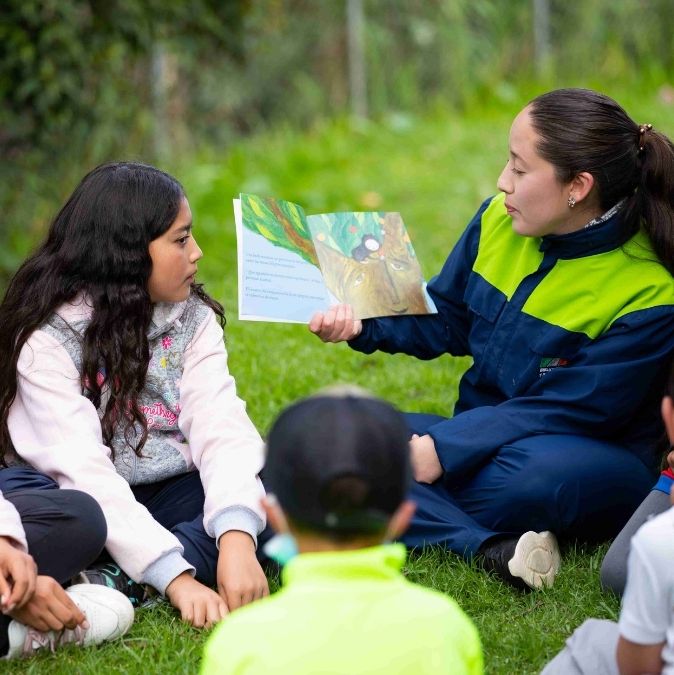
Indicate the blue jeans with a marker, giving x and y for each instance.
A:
(574, 486)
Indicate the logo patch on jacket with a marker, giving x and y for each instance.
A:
(546, 365)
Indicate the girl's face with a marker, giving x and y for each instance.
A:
(535, 199)
(174, 257)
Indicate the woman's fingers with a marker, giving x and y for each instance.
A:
(335, 325)
(316, 323)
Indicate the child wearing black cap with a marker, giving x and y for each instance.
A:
(337, 471)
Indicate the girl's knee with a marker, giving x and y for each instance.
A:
(83, 520)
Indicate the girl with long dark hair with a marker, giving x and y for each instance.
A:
(561, 290)
(114, 381)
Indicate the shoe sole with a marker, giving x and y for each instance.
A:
(536, 559)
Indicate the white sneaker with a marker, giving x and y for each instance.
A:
(536, 559)
(108, 612)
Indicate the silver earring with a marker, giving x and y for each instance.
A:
(571, 201)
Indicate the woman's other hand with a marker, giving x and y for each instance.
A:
(426, 466)
(336, 325)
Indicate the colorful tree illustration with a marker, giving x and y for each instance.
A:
(358, 234)
(281, 223)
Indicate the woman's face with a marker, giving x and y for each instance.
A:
(174, 257)
(535, 199)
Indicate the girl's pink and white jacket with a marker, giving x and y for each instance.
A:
(195, 422)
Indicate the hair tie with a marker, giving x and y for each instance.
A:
(643, 128)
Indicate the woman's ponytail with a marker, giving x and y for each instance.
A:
(655, 191)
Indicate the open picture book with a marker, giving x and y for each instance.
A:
(291, 265)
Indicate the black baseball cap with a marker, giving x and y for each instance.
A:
(339, 461)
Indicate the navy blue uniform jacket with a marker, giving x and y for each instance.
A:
(569, 334)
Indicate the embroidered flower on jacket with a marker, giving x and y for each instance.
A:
(166, 341)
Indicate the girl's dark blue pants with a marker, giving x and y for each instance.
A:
(65, 529)
(574, 486)
(176, 503)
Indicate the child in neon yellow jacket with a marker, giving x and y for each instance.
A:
(338, 468)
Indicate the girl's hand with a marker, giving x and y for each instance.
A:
(336, 325)
(425, 463)
(50, 608)
(197, 604)
(18, 574)
(240, 577)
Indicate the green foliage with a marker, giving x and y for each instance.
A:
(63, 61)
(77, 88)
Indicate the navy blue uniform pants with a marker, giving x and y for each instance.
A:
(176, 503)
(574, 486)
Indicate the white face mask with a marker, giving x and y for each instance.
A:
(281, 548)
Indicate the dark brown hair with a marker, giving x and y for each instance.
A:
(97, 245)
(582, 130)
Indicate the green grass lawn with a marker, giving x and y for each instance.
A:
(435, 170)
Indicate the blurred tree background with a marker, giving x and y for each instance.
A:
(83, 81)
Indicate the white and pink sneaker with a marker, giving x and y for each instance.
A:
(108, 612)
